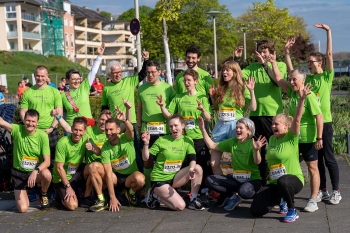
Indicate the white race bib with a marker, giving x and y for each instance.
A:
(155, 127)
(72, 168)
(120, 163)
(227, 114)
(172, 165)
(241, 175)
(276, 171)
(29, 162)
(189, 122)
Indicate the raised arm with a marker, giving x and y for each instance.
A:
(329, 51)
(142, 74)
(4, 124)
(295, 127)
(287, 48)
(211, 145)
(58, 117)
(277, 74)
(145, 137)
(257, 146)
(205, 114)
(128, 126)
(161, 104)
(212, 94)
(250, 85)
(96, 65)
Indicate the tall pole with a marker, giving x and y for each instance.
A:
(215, 55)
(138, 38)
(244, 45)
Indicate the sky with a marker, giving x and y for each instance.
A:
(334, 13)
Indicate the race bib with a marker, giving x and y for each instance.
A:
(189, 122)
(120, 163)
(241, 175)
(318, 97)
(29, 162)
(172, 165)
(227, 114)
(155, 127)
(99, 144)
(72, 168)
(276, 171)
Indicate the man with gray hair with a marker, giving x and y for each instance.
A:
(123, 88)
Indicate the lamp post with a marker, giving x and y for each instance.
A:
(244, 29)
(214, 14)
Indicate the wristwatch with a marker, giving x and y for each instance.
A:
(38, 169)
(67, 186)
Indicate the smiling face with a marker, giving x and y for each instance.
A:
(74, 81)
(41, 76)
(30, 123)
(116, 74)
(192, 60)
(242, 132)
(176, 128)
(296, 81)
(78, 130)
(101, 122)
(279, 126)
(112, 131)
(190, 83)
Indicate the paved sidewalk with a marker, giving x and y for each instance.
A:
(329, 218)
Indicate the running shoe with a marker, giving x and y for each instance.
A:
(335, 197)
(195, 204)
(86, 202)
(33, 195)
(221, 201)
(311, 206)
(204, 199)
(283, 207)
(132, 199)
(98, 206)
(291, 216)
(322, 195)
(152, 202)
(232, 202)
(44, 201)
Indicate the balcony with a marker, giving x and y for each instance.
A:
(30, 17)
(12, 34)
(12, 15)
(31, 35)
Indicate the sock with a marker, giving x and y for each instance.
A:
(204, 190)
(147, 173)
(324, 190)
(42, 193)
(101, 197)
(193, 196)
(132, 192)
(313, 198)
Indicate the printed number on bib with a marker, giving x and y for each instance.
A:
(227, 114)
(172, 165)
(155, 127)
(278, 170)
(241, 175)
(72, 168)
(29, 162)
(189, 122)
(318, 96)
(99, 144)
(120, 163)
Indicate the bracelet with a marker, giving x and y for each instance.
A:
(145, 144)
(51, 127)
(58, 118)
(319, 139)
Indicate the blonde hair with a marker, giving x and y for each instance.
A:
(284, 118)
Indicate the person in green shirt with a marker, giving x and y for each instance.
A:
(31, 159)
(191, 105)
(267, 93)
(172, 152)
(149, 115)
(246, 180)
(286, 178)
(193, 57)
(321, 81)
(230, 98)
(69, 167)
(76, 101)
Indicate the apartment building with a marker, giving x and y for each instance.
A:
(68, 30)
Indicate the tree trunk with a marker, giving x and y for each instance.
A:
(167, 52)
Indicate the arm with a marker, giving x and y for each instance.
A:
(142, 74)
(211, 145)
(319, 125)
(128, 126)
(257, 157)
(22, 112)
(161, 104)
(206, 115)
(7, 126)
(62, 173)
(92, 147)
(295, 127)
(250, 85)
(33, 176)
(66, 127)
(329, 51)
(287, 47)
(277, 74)
(212, 94)
(96, 65)
(257, 145)
(113, 203)
(145, 137)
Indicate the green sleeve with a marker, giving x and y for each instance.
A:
(155, 149)
(60, 152)
(312, 104)
(104, 96)
(226, 146)
(58, 99)
(45, 147)
(208, 82)
(24, 100)
(190, 146)
(138, 97)
(15, 130)
(247, 97)
(105, 158)
(134, 80)
(329, 75)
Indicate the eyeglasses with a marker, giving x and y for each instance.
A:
(75, 79)
(117, 72)
(311, 61)
(152, 72)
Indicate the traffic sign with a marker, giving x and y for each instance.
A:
(134, 26)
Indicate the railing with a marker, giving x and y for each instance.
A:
(32, 51)
(11, 15)
(31, 35)
(30, 17)
(12, 34)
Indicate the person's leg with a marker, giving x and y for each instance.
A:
(225, 185)
(22, 201)
(288, 186)
(134, 182)
(97, 174)
(262, 201)
(87, 177)
(169, 197)
(218, 133)
(248, 189)
(139, 160)
(44, 178)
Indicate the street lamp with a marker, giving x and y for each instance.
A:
(244, 29)
(214, 14)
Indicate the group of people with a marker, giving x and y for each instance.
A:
(175, 147)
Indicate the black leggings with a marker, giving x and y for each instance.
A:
(203, 159)
(287, 186)
(227, 185)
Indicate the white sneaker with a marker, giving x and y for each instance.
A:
(322, 195)
(335, 198)
(311, 206)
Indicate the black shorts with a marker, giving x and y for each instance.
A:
(121, 178)
(53, 138)
(20, 179)
(157, 184)
(76, 181)
(308, 151)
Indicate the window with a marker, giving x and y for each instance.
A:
(65, 22)
(70, 23)
(66, 36)
(12, 45)
(11, 27)
(11, 10)
(71, 40)
(67, 54)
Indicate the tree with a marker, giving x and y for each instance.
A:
(302, 48)
(105, 13)
(144, 12)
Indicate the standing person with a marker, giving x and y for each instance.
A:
(149, 115)
(286, 176)
(31, 159)
(268, 94)
(76, 100)
(246, 180)
(321, 81)
(191, 105)
(193, 56)
(2, 97)
(98, 86)
(27, 83)
(51, 84)
(20, 90)
(60, 87)
(231, 99)
(168, 172)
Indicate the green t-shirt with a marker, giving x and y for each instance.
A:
(81, 99)
(97, 137)
(186, 106)
(28, 150)
(268, 95)
(308, 128)
(43, 100)
(113, 94)
(71, 154)
(322, 87)
(151, 112)
(122, 156)
(170, 153)
(228, 110)
(203, 85)
(243, 164)
(283, 157)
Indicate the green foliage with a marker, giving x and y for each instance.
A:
(105, 13)
(342, 83)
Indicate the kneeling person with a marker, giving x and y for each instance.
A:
(31, 159)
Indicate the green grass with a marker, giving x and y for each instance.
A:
(18, 64)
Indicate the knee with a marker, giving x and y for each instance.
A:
(71, 205)
(180, 206)
(22, 208)
(198, 169)
(313, 170)
(246, 191)
(46, 174)
(140, 179)
(93, 168)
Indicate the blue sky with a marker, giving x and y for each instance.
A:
(335, 13)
